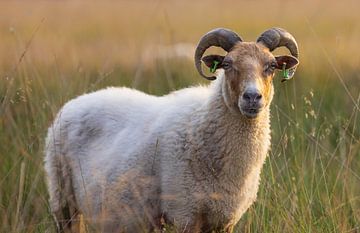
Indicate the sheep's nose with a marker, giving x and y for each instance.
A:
(252, 96)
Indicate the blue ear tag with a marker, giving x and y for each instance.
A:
(213, 68)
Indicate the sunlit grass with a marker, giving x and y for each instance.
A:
(51, 52)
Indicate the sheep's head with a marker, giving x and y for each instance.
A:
(249, 66)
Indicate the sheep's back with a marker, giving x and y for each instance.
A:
(110, 136)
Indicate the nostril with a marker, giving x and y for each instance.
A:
(258, 97)
(252, 96)
(247, 96)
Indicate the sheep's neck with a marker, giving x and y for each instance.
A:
(224, 144)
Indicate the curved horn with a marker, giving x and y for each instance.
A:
(278, 37)
(219, 37)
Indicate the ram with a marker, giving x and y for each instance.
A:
(130, 162)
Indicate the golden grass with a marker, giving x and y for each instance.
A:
(103, 34)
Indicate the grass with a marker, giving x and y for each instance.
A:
(51, 52)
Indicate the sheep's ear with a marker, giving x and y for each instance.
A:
(289, 60)
(212, 59)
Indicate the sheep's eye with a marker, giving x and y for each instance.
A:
(273, 65)
(270, 68)
(226, 65)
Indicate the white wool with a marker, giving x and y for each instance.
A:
(124, 158)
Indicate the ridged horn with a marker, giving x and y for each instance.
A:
(220, 37)
(278, 37)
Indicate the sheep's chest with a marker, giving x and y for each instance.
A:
(227, 205)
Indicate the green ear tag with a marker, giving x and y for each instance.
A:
(285, 73)
(213, 68)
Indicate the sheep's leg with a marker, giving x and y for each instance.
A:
(201, 225)
(65, 213)
(194, 224)
(62, 200)
(66, 222)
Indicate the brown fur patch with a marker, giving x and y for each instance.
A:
(249, 63)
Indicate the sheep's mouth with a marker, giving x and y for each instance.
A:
(251, 112)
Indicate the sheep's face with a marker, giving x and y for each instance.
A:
(249, 71)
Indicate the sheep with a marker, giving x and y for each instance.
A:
(132, 162)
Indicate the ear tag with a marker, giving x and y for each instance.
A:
(213, 68)
(285, 73)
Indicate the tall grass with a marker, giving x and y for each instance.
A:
(51, 52)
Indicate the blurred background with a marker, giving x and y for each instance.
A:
(52, 51)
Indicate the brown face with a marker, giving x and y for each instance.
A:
(249, 70)
(249, 66)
